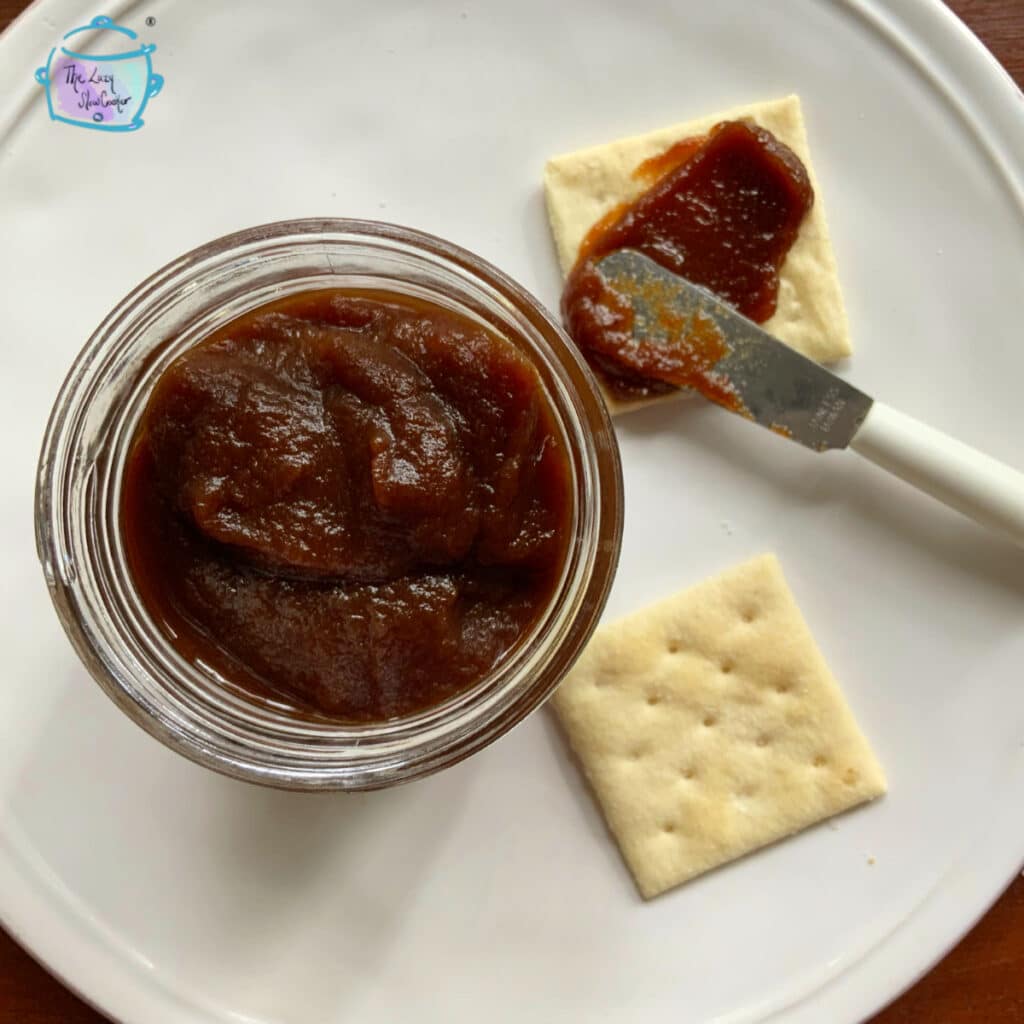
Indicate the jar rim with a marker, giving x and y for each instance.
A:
(78, 536)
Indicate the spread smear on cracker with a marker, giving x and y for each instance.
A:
(581, 187)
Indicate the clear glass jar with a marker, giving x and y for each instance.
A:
(78, 507)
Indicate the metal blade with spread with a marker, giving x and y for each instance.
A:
(709, 347)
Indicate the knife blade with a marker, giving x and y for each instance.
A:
(774, 384)
(752, 373)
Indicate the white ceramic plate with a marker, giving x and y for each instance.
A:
(164, 893)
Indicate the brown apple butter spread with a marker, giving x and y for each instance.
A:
(723, 212)
(353, 501)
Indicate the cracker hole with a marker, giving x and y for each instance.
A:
(668, 828)
(653, 699)
(850, 776)
(748, 614)
(636, 753)
(763, 740)
(709, 721)
(820, 761)
(783, 687)
(689, 774)
(673, 647)
(726, 667)
(746, 791)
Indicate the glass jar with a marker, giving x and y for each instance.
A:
(78, 507)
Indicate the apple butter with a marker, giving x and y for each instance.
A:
(723, 212)
(356, 502)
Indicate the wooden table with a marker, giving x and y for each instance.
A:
(980, 982)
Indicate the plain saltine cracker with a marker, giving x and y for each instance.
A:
(709, 725)
(582, 187)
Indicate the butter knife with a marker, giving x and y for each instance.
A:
(768, 382)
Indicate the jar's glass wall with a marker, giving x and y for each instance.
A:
(78, 506)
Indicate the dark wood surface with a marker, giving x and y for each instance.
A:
(980, 982)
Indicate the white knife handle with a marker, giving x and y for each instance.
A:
(977, 485)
